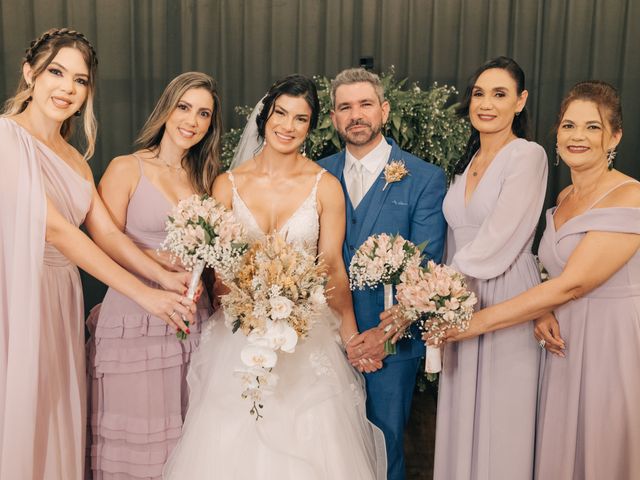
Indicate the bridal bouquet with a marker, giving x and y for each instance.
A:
(203, 233)
(437, 298)
(381, 260)
(273, 299)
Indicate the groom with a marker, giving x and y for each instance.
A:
(412, 207)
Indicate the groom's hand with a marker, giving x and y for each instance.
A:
(369, 345)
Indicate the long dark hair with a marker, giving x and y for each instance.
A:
(520, 125)
(296, 86)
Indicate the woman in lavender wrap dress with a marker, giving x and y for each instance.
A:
(137, 365)
(488, 385)
(589, 421)
(46, 192)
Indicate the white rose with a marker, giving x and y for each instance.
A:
(280, 307)
(317, 296)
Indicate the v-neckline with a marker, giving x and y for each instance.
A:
(487, 170)
(159, 192)
(253, 217)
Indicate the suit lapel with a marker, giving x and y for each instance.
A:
(371, 204)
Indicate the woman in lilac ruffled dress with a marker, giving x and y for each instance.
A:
(137, 365)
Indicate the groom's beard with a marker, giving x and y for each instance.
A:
(361, 137)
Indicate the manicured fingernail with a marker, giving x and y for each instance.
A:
(188, 331)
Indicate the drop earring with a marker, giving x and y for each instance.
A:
(611, 156)
(557, 162)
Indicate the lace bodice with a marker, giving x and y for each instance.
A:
(302, 227)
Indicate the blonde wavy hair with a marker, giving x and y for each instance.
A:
(39, 55)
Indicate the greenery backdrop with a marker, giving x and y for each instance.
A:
(422, 122)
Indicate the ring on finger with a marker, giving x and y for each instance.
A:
(542, 343)
(173, 312)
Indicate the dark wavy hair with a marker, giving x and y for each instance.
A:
(520, 125)
(296, 86)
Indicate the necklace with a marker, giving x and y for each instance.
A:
(167, 164)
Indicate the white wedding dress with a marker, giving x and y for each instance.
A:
(314, 426)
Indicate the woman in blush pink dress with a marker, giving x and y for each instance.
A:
(46, 192)
(136, 363)
(485, 426)
(588, 424)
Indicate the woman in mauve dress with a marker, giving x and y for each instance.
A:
(487, 394)
(46, 192)
(137, 365)
(589, 421)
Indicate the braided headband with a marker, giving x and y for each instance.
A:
(54, 33)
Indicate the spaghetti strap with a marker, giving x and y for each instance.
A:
(315, 186)
(615, 187)
(233, 182)
(560, 202)
(139, 164)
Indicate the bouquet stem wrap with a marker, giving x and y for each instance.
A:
(433, 360)
(195, 278)
(191, 292)
(389, 347)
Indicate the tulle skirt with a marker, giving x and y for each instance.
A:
(313, 426)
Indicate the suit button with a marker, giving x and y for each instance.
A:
(351, 247)
(353, 220)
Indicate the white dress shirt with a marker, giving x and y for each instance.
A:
(373, 163)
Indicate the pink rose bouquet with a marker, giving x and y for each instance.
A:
(437, 298)
(381, 260)
(202, 233)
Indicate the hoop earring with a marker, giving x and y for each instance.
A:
(518, 113)
(611, 156)
(557, 162)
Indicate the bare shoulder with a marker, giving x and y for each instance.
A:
(330, 191)
(330, 184)
(222, 188)
(627, 195)
(124, 168)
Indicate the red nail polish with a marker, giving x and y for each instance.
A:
(188, 331)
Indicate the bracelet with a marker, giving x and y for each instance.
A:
(353, 335)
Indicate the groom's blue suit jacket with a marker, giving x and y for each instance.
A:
(411, 207)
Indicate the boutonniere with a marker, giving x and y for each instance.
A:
(394, 171)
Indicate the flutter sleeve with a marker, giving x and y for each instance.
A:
(22, 236)
(507, 230)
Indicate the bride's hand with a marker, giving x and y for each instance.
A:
(169, 306)
(368, 365)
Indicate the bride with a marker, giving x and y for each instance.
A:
(314, 425)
